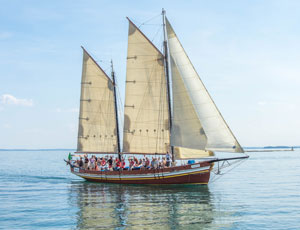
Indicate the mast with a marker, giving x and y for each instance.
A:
(116, 108)
(168, 78)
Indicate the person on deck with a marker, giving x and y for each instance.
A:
(168, 157)
(118, 164)
(98, 162)
(86, 162)
(96, 167)
(140, 164)
(92, 163)
(110, 162)
(114, 165)
(163, 162)
(143, 163)
(136, 161)
(147, 163)
(76, 163)
(103, 164)
(159, 163)
(123, 163)
(80, 163)
(131, 164)
(156, 164)
(153, 163)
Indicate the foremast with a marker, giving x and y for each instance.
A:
(166, 64)
(116, 109)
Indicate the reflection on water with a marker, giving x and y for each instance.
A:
(113, 206)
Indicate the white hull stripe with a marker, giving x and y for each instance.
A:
(144, 176)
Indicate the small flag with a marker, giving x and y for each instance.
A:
(70, 157)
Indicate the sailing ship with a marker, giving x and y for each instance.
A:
(167, 110)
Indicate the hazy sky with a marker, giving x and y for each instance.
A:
(246, 52)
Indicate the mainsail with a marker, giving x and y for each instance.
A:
(97, 130)
(192, 99)
(146, 123)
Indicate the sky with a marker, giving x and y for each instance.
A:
(247, 53)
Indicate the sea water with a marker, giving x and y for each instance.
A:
(37, 191)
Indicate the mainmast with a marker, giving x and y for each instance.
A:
(116, 108)
(166, 57)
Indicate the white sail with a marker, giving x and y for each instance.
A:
(146, 123)
(186, 128)
(219, 136)
(97, 119)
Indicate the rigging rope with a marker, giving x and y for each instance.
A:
(238, 163)
(148, 20)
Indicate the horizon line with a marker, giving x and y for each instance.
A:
(71, 149)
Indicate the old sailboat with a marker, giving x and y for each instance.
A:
(167, 110)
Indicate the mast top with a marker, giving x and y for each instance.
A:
(112, 67)
(163, 12)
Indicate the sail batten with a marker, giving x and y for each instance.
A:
(97, 130)
(219, 136)
(146, 128)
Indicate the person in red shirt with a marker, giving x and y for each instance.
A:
(118, 163)
(123, 164)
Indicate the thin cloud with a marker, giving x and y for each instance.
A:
(7, 126)
(262, 103)
(74, 110)
(7, 99)
(58, 110)
(5, 35)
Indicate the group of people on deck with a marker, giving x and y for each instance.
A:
(109, 163)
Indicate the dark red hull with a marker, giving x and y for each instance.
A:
(187, 174)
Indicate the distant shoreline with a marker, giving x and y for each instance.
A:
(273, 147)
(263, 147)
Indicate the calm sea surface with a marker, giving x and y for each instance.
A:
(37, 191)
